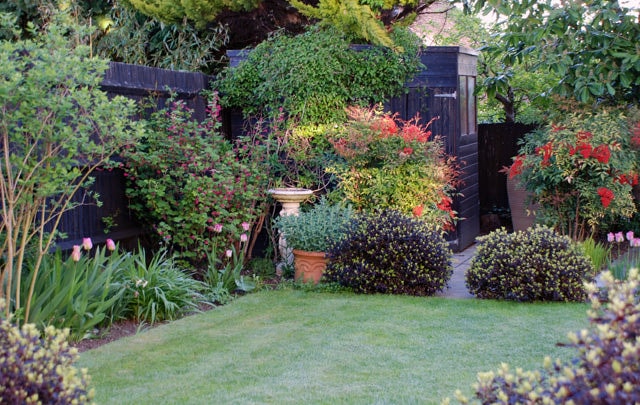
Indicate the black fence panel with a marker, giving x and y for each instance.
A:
(497, 144)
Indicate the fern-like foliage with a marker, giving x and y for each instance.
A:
(349, 16)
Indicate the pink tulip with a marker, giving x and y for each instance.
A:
(228, 253)
(217, 228)
(635, 242)
(244, 237)
(619, 237)
(111, 245)
(630, 236)
(87, 244)
(245, 226)
(611, 237)
(75, 255)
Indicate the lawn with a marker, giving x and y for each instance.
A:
(293, 346)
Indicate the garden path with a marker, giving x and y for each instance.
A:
(461, 262)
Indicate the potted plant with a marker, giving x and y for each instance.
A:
(310, 233)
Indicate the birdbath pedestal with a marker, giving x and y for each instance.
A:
(290, 198)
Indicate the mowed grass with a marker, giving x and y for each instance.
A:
(293, 347)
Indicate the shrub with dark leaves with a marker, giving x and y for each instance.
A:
(606, 370)
(39, 370)
(532, 265)
(388, 252)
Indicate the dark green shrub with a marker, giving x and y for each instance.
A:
(389, 252)
(606, 370)
(35, 369)
(533, 265)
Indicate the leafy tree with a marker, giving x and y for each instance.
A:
(590, 45)
(56, 128)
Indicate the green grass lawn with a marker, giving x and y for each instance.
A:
(293, 346)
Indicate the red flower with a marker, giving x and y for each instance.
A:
(584, 149)
(546, 150)
(516, 167)
(417, 211)
(606, 196)
(602, 153)
(411, 132)
(407, 150)
(634, 179)
(386, 125)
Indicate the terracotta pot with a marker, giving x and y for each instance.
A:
(309, 266)
(522, 214)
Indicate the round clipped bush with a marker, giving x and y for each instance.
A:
(532, 265)
(39, 370)
(391, 253)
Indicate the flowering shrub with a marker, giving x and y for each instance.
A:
(532, 265)
(391, 253)
(393, 164)
(606, 369)
(581, 171)
(186, 180)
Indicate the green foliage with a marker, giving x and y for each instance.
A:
(598, 252)
(316, 229)
(532, 265)
(572, 41)
(581, 170)
(314, 76)
(76, 293)
(155, 290)
(57, 127)
(393, 164)
(133, 38)
(35, 369)
(390, 253)
(354, 18)
(199, 11)
(223, 275)
(605, 371)
(187, 182)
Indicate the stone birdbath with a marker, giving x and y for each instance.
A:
(290, 198)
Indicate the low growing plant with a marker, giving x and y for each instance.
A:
(315, 229)
(605, 371)
(77, 291)
(393, 164)
(155, 289)
(39, 369)
(533, 265)
(390, 253)
(598, 252)
(627, 260)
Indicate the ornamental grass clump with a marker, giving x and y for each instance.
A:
(533, 265)
(605, 371)
(391, 253)
(39, 370)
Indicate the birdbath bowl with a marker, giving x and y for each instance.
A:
(290, 198)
